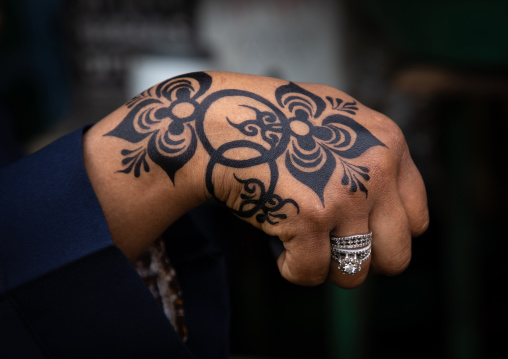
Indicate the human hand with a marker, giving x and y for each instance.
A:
(300, 161)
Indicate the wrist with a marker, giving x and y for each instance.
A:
(139, 199)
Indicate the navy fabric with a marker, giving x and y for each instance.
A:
(96, 307)
(49, 214)
(67, 292)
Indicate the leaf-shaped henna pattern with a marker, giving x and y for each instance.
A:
(350, 139)
(297, 99)
(339, 105)
(313, 170)
(352, 176)
(134, 160)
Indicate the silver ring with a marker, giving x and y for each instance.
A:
(350, 252)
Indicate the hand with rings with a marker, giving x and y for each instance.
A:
(307, 163)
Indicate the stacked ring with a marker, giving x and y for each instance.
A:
(350, 252)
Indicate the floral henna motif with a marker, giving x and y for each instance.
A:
(318, 142)
(167, 122)
(162, 118)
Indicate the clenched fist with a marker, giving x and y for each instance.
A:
(303, 162)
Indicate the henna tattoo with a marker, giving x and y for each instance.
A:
(268, 204)
(167, 122)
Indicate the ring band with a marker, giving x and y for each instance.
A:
(350, 252)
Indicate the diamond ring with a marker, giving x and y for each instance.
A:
(350, 252)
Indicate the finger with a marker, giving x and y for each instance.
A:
(352, 276)
(306, 259)
(413, 195)
(391, 236)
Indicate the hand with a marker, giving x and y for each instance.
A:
(300, 161)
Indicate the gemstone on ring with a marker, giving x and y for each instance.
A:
(350, 265)
(350, 252)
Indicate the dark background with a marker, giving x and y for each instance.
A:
(437, 68)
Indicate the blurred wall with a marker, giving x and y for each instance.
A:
(298, 40)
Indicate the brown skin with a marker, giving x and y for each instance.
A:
(139, 209)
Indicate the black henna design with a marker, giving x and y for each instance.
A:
(339, 105)
(133, 160)
(268, 204)
(167, 122)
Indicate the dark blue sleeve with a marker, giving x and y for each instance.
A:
(96, 307)
(49, 214)
(66, 291)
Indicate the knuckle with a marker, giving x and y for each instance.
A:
(313, 217)
(306, 271)
(318, 214)
(422, 225)
(392, 135)
(383, 170)
(396, 263)
(396, 136)
(225, 189)
(384, 164)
